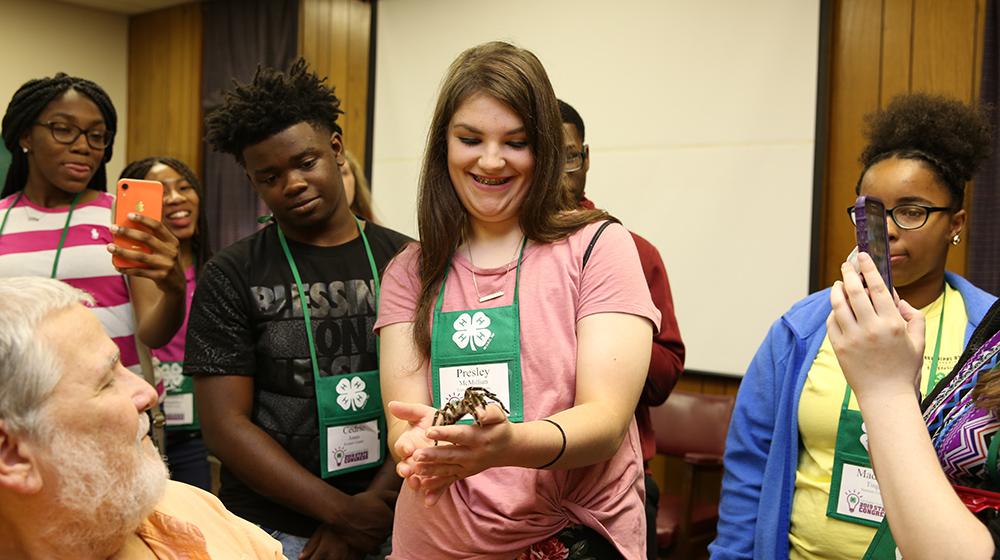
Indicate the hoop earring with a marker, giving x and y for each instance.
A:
(956, 240)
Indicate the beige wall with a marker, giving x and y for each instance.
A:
(700, 119)
(39, 38)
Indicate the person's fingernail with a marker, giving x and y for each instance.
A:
(432, 434)
(115, 229)
(133, 216)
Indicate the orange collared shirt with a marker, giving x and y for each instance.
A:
(191, 524)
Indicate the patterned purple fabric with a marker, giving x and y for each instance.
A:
(961, 431)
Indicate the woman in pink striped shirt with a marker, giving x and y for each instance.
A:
(56, 217)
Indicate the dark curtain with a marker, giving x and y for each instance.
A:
(984, 228)
(239, 36)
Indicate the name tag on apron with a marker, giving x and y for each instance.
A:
(859, 495)
(353, 446)
(492, 377)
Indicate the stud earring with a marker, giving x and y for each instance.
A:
(956, 240)
(24, 149)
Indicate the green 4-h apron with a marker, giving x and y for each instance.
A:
(178, 402)
(854, 491)
(478, 348)
(352, 431)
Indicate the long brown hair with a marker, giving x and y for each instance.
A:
(515, 77)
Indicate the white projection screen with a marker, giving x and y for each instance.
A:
(700, 116)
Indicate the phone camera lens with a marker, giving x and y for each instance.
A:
(125, 187)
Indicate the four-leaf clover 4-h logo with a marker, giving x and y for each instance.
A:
(472, 331)
(351, 393)
(171, 373)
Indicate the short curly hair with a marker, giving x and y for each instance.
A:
(952, 138)
(271, 102)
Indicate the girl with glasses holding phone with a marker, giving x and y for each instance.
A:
(55, 216)
(799, 481)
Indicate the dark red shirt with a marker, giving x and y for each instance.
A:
(667, 360)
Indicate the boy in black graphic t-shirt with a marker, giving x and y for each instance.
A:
(319, 482)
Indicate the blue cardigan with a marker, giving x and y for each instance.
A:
(762, 448)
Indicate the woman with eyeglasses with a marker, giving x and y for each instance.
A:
(55, 216)
(798, 479)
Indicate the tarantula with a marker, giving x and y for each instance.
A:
(474, 399)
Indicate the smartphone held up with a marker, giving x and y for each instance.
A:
(872, 232)
(135, 197)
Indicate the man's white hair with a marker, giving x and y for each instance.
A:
(28, 370)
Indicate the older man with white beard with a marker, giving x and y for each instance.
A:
(78, 476)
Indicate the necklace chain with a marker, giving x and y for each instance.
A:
(475, 283)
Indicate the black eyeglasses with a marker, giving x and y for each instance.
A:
(908, 216)
(574, 160)
(66, 133)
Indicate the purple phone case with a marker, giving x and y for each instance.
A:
(862, 230)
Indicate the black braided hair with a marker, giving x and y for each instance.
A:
(270, 103)
(952, 138)
(200, 249)
(28, 102)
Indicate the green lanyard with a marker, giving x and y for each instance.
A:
(302, 296)
(932, 377)
(65, 230)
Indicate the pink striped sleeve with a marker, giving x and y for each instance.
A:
(77, 236)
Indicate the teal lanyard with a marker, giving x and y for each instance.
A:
(65, 230)
(306, 316)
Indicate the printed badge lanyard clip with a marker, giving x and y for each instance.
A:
(65, 230)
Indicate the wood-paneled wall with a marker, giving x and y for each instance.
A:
(881, 48)
(334, 37)
(164, 84)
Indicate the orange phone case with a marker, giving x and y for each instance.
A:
(141, 197)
